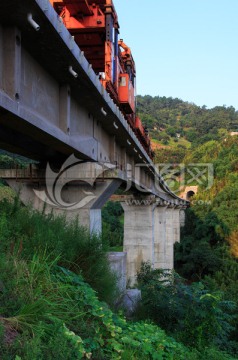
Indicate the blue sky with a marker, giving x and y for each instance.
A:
(183, 48)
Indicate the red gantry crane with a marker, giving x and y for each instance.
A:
(95, 28)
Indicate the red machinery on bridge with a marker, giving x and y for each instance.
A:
(95, 28)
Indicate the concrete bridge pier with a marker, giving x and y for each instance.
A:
(150, 232)
(138, 237)
(172, 235)
(79, 200)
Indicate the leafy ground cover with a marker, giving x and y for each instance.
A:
(48, 311)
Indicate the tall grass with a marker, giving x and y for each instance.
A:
(42, 305)
(26, 232)
(58, 316)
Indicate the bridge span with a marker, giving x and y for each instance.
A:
(54, 109)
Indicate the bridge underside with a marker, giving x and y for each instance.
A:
(41, 102)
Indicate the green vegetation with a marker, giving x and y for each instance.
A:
(175, 125)
(208, 250)
(174, 155)
(53, 314)
(172, 118)
(6, 193)
(207, 254)
(48, 311)
(9, 160)
(31, 232)
(223, 156)
(190, 313)
(112, 217)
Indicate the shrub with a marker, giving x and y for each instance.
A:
(191, 313)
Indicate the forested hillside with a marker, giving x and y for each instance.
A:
(171, 119)
(211, 144)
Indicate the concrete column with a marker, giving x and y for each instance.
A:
(170, 238)
(150, 232)
(118, 265)
(160, 238)
(79, 200)
(182, 218)
(138, 237)
(176, 222)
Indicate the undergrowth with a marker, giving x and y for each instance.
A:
(49, 311)
(27, 232)
(54, 314)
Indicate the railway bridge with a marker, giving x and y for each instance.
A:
(55, 109)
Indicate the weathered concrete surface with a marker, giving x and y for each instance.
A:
(118, 265)
(160, 238)
(182, 218)
(138, 237)
(150, 232)
(170, 227)
(130, 300)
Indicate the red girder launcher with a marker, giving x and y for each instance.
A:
(95, 28)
